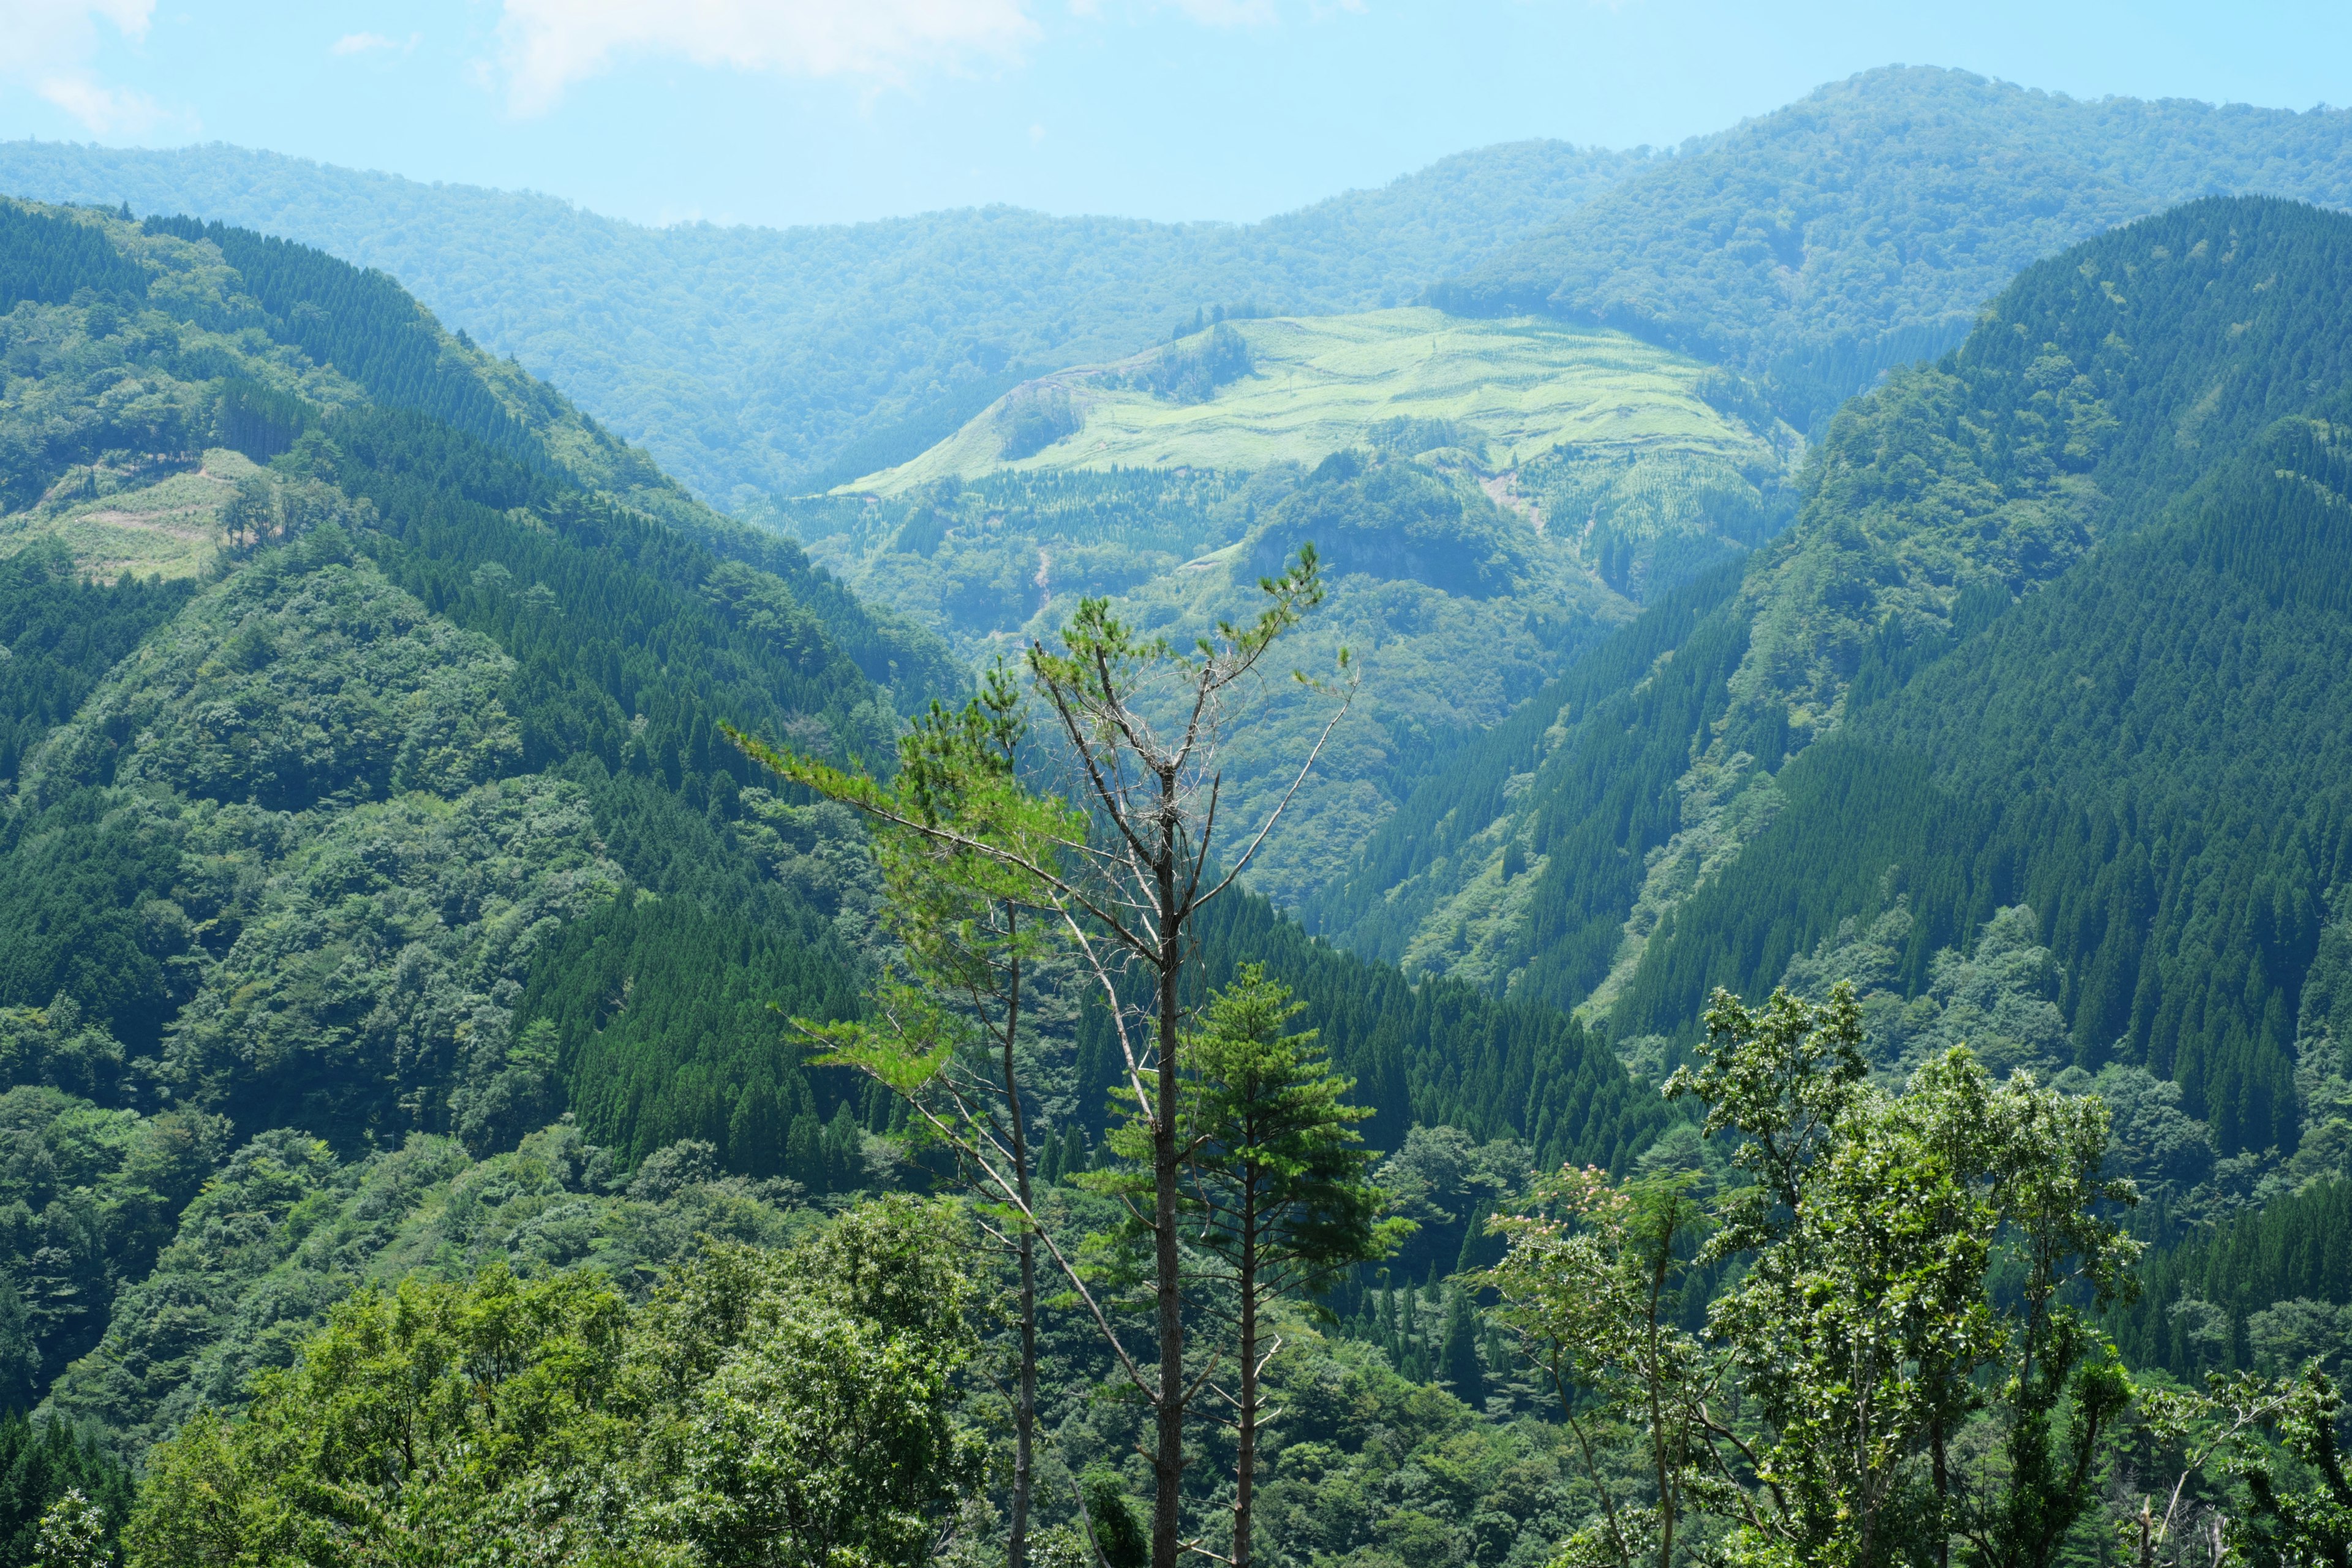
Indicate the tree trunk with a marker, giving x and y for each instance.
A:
(1168, 1465)
(1943, 1493)
(1025, 1406)
(1245, 1472)
(1655, 1375)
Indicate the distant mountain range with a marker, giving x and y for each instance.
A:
(1810, 249)
(756, 361)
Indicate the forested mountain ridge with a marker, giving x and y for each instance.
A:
(1991, 669)
(378, 891)
(756, 361)
(1866, 225)
(1808, 249)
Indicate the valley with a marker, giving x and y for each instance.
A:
(637, 865)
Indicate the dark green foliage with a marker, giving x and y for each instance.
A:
(39, 1463)
(609, 614)
(2148, 751)
(1459, 801)
(1034, 420)
(62, 633)
(49, 258)
(87, 1197)
(258, 421)
(1437, 1052)
(363, 324)
(283, 1230)
(1119, 1535)
(964, 556)
(895, 441)
(194, 840)
(74, 886)
(2296, 1248)
(1866, 224)
(1190, 370)
(663, 1012)
(1389, 520)
(1607, 796)
(2151, 754)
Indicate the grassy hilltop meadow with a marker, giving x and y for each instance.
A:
(1836, 874)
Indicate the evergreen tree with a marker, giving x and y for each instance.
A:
(1141, 865)
(1274, 1189)
(949, 1042)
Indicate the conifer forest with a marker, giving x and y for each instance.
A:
(1605, 859)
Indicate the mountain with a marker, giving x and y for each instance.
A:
(377, 891)
(1488, 497)
(1247, 394)
(1866, 225)
(1808, 249)
(750, 361)
(2026, 726)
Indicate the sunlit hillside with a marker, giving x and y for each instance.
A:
(1313, 385)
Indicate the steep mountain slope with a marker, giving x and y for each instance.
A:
(377, 892)
(2050, 632)
(1866, 225)
(1487, 497)
(750, 360)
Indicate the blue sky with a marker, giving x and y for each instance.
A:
(791, 112)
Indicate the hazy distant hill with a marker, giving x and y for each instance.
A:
(1490, 497)
(1867, 224)
(755, 360)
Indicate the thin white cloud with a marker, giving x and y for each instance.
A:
(359, 44)
(1227, 13)
(107, 110)
(548, 45)
(47, 44)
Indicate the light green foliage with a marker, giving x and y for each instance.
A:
(87, 1197)
(1451, 607)
(73, 1534)
(341, 963)
(1320, 385)
(391, 948)
(2299, 1516)
(1998, 998)
(177, 526)
(795, 1407)
(109, 389)
(1647, 520)
(60, 1046)
(1460, 594)
(284, 1230)
(308, 680)
(1903, 1399)
(1274, 1195)
(1583, 1286)
(1907, 504)
(1441, 1176)
(1969, 595)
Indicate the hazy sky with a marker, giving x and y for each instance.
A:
(786, 112)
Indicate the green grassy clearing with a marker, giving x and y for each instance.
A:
(1320, 384)
(170, 529)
